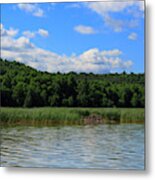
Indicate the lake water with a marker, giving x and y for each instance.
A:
(99, 147)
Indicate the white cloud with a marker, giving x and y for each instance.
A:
(32, 34)
(84, 29)
(104, 60)
(74, 5)
(39, 12)
(114, 52)
(10, 44)
(29, 34)
(105, 9)
(31, 8)
(43, 32)
(93, 60)
(9, 32)
(116, 25)
(132, 36)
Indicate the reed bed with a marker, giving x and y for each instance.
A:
(68, 116)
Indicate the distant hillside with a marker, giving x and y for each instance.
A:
(23, 86)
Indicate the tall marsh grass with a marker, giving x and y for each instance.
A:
(68, 116)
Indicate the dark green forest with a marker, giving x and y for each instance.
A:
(23, 86)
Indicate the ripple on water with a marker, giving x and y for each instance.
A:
(101, 146)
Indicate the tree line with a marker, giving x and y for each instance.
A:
(23, 86)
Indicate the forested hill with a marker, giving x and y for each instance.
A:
(23, 86)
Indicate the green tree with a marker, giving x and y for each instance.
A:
(24, 86)
(83, 93)
(19, 92)
(28, 99)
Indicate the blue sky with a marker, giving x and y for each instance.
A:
(98, 37)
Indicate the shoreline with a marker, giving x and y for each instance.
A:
(51, 116)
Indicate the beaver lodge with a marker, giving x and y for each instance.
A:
(98, 119)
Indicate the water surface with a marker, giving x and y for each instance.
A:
(99, 147)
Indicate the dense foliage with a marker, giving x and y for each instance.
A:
(23, 86)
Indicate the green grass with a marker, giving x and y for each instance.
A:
(68, 116)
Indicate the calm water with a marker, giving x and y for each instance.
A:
(102, 146)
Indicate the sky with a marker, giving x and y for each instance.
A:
(98, 37)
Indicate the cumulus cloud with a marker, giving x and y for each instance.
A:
(10, 44)
(107, 8)
(84, 29)
(31, 8)
(32, 34)
(93, 60)
(116, 25)
(9, 32)
(29, 34)
(43, 32)
(104, 60)
(132, 36)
